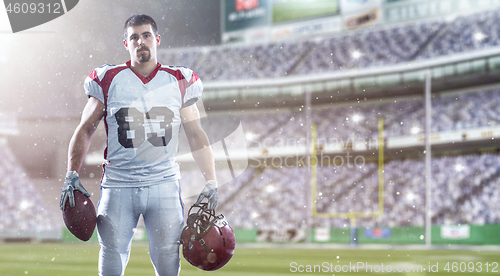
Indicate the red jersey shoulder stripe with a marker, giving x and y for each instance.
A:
(105, 82)
(183, 83)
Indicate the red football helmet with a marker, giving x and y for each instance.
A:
(207, 240)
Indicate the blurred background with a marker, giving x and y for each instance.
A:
(330, 95)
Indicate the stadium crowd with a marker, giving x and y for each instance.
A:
(369, 47)
(21, 207)
(402, 117)
(463, 186)
(463, 192)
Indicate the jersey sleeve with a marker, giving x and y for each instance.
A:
(93, 87)
(194, 89)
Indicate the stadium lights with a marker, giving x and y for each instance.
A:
(410, 197)
(25, 204)
(357, 117)
(270, 188)
(459, 167)
(415, 130)
(356, 54)
(479, 36)
(250, 136)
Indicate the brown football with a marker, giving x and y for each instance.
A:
(81, 219)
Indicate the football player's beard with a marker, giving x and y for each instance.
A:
(144, 56)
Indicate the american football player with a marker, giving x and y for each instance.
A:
(143, 104)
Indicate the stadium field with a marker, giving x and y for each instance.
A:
(52, 259)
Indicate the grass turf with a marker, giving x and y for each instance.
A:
(52, 259)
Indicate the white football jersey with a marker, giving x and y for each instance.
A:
(142, 121)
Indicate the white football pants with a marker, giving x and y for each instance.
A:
(118, 212)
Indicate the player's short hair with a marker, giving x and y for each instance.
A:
(139, 20)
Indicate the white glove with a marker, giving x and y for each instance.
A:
(71, 183)
(210, 193)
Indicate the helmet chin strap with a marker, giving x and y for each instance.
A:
(202, 242)
(198, 221)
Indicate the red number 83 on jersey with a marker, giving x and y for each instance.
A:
(135, 127)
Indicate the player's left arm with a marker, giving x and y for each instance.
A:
(201, 151)
(198, 141)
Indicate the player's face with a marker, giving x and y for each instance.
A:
(141, 43)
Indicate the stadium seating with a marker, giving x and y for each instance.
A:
(21, 207)
(401, 118)
(275, 197)
(466, 33)
(275, 191)
(365, 48)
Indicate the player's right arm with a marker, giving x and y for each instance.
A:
(78, 146)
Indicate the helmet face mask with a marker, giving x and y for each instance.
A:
(208, 241)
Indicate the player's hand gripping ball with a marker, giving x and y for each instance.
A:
(78, 210)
